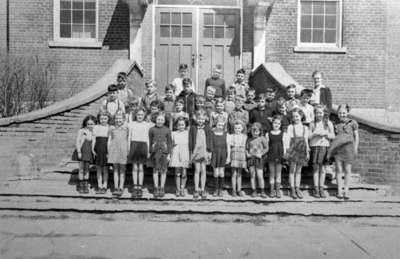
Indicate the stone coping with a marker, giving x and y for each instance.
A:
(92, 93)
(375, 118)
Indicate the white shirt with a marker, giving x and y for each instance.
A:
(113, 106)
(100, 131)
(318, 129)
(308, 111)
(316, 96)
(139, 131)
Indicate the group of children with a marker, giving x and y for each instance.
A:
(224, 128)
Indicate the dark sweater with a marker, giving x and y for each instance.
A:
(219, 85)
(261, 116)
(160, 134)
(189, 102)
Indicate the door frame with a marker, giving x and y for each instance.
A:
(196, 9)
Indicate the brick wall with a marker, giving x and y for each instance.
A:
(356, 77)
(378, 161)
(3, 26)
(31, 29)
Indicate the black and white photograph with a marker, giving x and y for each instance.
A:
(157, 129)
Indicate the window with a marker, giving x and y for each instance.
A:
(320, 25)
(219, 26)
(176, 25)
(76, 23)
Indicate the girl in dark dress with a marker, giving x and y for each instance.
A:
(100, 150)
(219, 156)
(83, 152)
(274, 156)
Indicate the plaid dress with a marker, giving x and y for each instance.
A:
(237, 142)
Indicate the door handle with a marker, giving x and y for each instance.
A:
(193, 59)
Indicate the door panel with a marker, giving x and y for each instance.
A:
(175, 43)
(219, 43)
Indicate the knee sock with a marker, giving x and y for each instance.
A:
(221, 183)
(216, 182)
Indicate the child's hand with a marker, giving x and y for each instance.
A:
(79, 155)
(355, 151)
(94, 153)
(168, 157)
(308, 155)
(228, 161)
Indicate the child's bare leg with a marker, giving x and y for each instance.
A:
(105, 176)
(216, 181)
(86, 171)
(298, 176)
(99, 173)
(278, 171)
(81, 169)
(233, 180)
(116, 175)
(196, 176)
(260, 178)
(163, 178)
(203, 175)
(322, 175)
(316, 171)
(178, 178)
(253, 178)
(239, 179)
(292, 170)
(272, 174)
(183, 178)
(135, 174)
(140, 174)
(347, 175)
(155, 178)
(339, 177)
(122, 169)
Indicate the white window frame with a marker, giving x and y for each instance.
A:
(321, 47)
(72, 42)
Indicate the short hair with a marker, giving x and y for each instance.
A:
(122, 73)
(186, 81)
(103, 113)
(239, 97)
(291, 86)
(120, 113)
(209, 105)
(181, 118)
(200, 97)
(200, 113)
(276, 117)
(306, 92)
(299, 111)
(150, 82)
(256, 125)
(160, 114)
(316, 72)
(141, 108)
(183, 66)
(112, 88)
(344, 106)
(269, 90)
(88, 118)
(241, 123)
(169, 87)
(232, 89)
(260, 97)
(180, 100)
(241, 71)
(156, 103)
(218, 67)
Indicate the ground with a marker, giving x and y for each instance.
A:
(148, 235)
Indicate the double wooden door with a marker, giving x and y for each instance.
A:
(199, 37)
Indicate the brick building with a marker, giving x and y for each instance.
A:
(355, 43)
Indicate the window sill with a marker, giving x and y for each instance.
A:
(75, 44)
(309, 49)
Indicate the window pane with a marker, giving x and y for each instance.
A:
(90, 17)
(77, 16)
(208, 32)
(306, 21)
(65, 4)
(186, 31)
(76, 4)
(176, 31)
(219, 19)
(330, 36)
(229, 32)
(90, 31)
(65, 30)
(164, 31)
(90, 5)
(306, 7)
(305, 35)
(208, 19)
(318, 36)
(65, 16)
(77, 31)
(176, 18)
(330, 22)
(318, 21)
(318, 8)
(187, 18)
(330, 7)
(230, 20)
(165, 18)
(219, 32)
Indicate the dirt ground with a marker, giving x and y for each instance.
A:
(143, 235)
